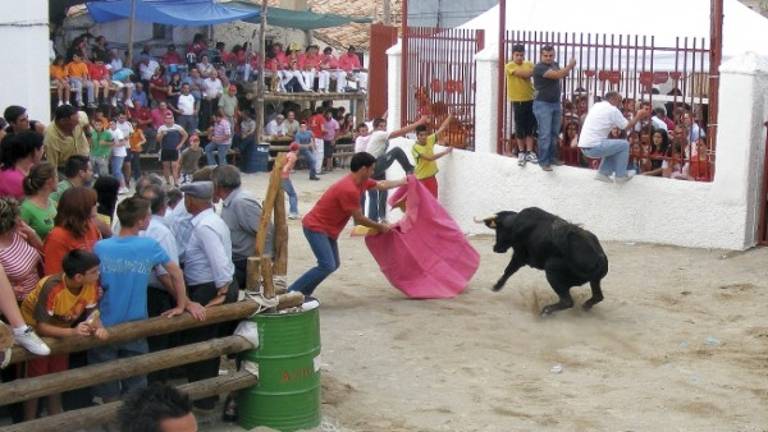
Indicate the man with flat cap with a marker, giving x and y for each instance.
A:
(208, 272)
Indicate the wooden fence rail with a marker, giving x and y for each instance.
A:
(92, 416)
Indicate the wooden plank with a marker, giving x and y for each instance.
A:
(313, 97)
(93, 416)
(140, 329)
(253, 274)
(30, 388)
(280, 260)
(269, 203)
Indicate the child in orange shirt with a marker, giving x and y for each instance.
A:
(136, 143)
(59, 78)
(79, 77)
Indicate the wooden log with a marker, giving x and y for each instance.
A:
(280, 260)
(140, 329)
(253, 274)
(269, 205)
(93, 416)
(30, 388)
(268, 287)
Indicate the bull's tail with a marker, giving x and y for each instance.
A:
(586, 256)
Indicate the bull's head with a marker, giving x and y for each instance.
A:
(501, 223)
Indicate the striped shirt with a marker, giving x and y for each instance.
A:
(21, 263)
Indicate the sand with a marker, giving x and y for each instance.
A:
(679, 344)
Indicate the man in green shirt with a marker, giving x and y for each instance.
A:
(101, 149)
(228, 105)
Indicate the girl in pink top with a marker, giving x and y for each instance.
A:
(19, 250)
(18, 153)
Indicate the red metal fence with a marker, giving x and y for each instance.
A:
(762, 222)
(669, 77)
(382, 38)
(439, 78)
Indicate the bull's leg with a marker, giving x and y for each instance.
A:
(557, 275)
(597, 295)
(517, 261)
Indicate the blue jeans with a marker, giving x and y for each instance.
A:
(548, 116)
(326, 251)
(220, 149)
(116, 164)
(109, 353)
(306, 153)
(613, 154)
(293, 199)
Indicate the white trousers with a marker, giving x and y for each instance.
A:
(319, 152)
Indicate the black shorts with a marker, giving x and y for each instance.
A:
(169, 155)
(525, 121)
(327, 149)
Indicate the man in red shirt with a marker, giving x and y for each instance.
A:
(349, 62)
(172, 57)
(316, 125)
(323, 224)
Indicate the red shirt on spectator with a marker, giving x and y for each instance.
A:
(256, 61)
(329, 61)
(282, 59)
(61, 240)
(270, 64)
(198, 48)
(701, 170)
(348, 62)
(172, 57)
(142, 115)
(158, 94)
(239, 57)
(315, 124)
(332, 212)
(309, 61)
(98, 72)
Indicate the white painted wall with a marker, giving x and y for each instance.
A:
(721, 214)
(24, 44)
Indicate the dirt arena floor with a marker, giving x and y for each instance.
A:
(679, 344)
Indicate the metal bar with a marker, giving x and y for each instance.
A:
(650, 91)
(761, 223)
(715, 58)
(404, 67)
(502, 130)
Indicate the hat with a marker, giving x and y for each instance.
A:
(198, 189)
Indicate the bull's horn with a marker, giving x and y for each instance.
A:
(484, 220)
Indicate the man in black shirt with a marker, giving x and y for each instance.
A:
(546, 105)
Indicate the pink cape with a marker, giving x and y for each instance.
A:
(425, 255)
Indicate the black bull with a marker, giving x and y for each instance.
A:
(569, 255)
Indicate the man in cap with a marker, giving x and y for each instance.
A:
(208, 272)
(242, 214)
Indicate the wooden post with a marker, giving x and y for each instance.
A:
(273, 190)
(260, 90)
(280, 260)
(131, 22)
(30, 388)
(87, 418)
(253, 273)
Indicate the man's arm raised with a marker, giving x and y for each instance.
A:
(409, 128)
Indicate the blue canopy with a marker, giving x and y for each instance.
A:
(169, 12)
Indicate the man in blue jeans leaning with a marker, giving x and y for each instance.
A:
(594, 141)
(323, 224)
(546, 104)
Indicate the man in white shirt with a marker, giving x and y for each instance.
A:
(208, 273)
(275, 127)
(594, 141)
(212, 90)
(147, 68)
(187, 108)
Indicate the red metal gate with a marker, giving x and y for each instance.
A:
(762, 223)
(439, 78)
(669, 77)
(382, 38)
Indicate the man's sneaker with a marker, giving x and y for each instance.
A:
(622, 180)
(531, 157)
(31, 341)
(558, 162)
(546, 168)
(294, 216)
(521, 159)
(603, 178)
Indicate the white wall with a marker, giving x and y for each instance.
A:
(721, 214)
(24, 44)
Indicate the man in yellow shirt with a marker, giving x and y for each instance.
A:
(65, 137)
(520, 93)
(423, 152)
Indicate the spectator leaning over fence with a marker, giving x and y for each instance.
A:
(520, 94)
(546, 105)
(242, 214)
(157, 408)
(614, 153)
(208, 271)
(65, 136)
(694, 133)
(126, 262)
(58, 308)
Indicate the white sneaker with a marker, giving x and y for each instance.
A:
(294, 216)
(603, 178)
(531, 157)
(60, 103)
(31, 341)
(622, 180)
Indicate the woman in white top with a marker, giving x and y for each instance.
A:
(119, 153)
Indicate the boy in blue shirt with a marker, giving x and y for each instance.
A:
(305, 140)
(126, 262)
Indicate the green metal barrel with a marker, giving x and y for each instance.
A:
(287, 397)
